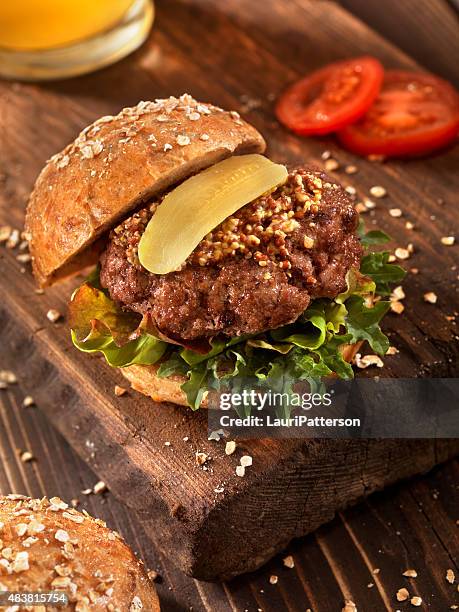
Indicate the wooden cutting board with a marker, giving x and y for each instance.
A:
(239, 55)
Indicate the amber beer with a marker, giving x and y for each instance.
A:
(54, 38)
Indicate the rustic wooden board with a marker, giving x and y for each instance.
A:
(409, 526)
(123, 438)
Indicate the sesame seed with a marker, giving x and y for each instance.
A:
(230, 447)
(204, 137)
(448, 240)
(409, 225)
(361, 208)
(194, 116)
(395, 212)
(53, 315)
(28, 401)
(325, 155)
(378, 192)
(430, 297)
(167, 147)
(351, 190)
(120, 391)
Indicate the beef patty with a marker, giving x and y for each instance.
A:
(258, 270)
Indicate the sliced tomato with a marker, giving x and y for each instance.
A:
(332, 97)
(414, 114)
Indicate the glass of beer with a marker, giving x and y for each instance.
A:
(51, 39)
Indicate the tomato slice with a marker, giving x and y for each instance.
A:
(415, 113)
(331, 97)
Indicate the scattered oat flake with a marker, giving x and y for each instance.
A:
(194, 116)
(5, 232)
(368, 360)
(416, 601)
(350, 169)
(397, 293)
(240, 470)
(230, 447)
(28, 401)
(153, 575)
(273, 579)
(182, 140)
(53, 315)
(246, 461)
(308, 242)
(27, 456)
(349, 606)
(450, 577)
(397, 307)
(331, 164)
(167, 147)
(395, 212)
(430, 297)
(402, 253)
(448, 240)
(119, 391)
(21, 562)
(99, 487)
(377, 191)
(402, 594)
(289, 562)
(350, 189)
(62, 536)
(360, 207)
(201, 458)
(204, 137)
(409, 225)
(369, 203)
(410, 573)
(392, 350)
(167, 443)
(8, 376)
(376, 570)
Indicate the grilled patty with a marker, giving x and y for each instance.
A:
(258, 270)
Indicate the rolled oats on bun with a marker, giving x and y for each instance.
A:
(48, 546)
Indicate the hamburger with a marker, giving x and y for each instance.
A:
(212, 261)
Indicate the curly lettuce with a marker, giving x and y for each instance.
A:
(307, 350)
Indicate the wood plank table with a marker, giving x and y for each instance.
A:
(409, 526)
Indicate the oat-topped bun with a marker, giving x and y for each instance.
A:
(47, 546)
(117, 163)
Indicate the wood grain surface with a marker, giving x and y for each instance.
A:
(266, 46)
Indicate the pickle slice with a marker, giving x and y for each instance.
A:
(202, 202)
